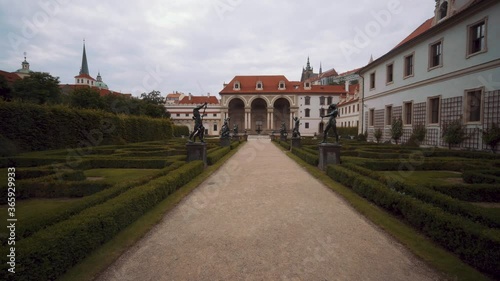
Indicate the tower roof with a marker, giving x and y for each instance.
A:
(84, 69)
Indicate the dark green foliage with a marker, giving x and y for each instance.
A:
(471, 241)
(396, 129)
(5, 89)
(217, 154)
(481, 176)
(180, 130)
(87, 97)
(50, 252)
(361, 137)
(347, 131)
(378, 134)
(153, 97)
(38, 87)
(310, 158)
(34, 127)
(475, 193)
(454, 133)
(491, 136)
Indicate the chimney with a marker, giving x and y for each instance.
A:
(208, 94)
(347, 86)
(190, 96)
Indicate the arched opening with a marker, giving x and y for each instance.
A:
(281, 113)
(236, 112)
(259, 116)
(443, 10)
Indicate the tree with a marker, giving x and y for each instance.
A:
(378, 134)
(153, 97)
(491, 136)
(454, 133)
(5, 89)
(397, 129)
(39, 87)
(86, 98)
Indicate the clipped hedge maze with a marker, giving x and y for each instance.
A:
(451, 211)
(50, 242)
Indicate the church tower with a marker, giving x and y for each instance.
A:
(84, 77)
(307, 72)
(25, 68)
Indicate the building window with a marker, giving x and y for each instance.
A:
(408, 71)
(371, 117)
(178, 115)
(187, 114)
(321, 112)
(390, 73)
(215, 114)
(473, 105)
(282, 85)
(308, 85)
(358, 108)
(306, 125)
(436, 54)
(308, 112)
(388, 115)
(236, 85)
(215, 127)
(434, 104)
(259, 85)
(321, 100)
(477, 38)
(372, 80)
(307, 100)
(443, 10)
(329, 100)
(407, 113)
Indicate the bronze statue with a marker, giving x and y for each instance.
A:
(283, 132)
(225, 129)
(333, 113)
(198, 130)
(235, 129)
(295, 132)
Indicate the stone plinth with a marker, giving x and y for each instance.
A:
(197, 151)
(236, 138)
(296, 142)
(283, 138)
(329, 153)
(225, 142)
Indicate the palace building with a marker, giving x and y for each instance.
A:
(260, 103)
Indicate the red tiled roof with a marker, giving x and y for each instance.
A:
(199, 100)
(349, 72)
(270, 84)
(9, 76)
(68, 88)
(421, 29)
(173, 95)
(85, 76)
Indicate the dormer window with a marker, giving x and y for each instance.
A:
(259, 85)
(282, 85)
(443, 10)
(307, 85)
(236, 86)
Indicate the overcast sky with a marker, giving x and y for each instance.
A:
(194, 46)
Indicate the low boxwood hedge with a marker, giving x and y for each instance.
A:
(472, 193)
(50, 252)
(472, 242)
(310, 158)
(217, 154)
(481, 176)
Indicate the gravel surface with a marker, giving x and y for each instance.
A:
(262, 217)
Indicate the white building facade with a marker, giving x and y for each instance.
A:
(444, 71)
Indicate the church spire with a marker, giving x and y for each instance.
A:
(308, 67)
(84, 69)
(320, 68)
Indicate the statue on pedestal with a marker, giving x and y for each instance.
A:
(283, 133)
(199, 130)
(235, 130)
(295, 132)
(333, 113)
(225, 129)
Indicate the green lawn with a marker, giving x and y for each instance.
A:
(426, 177)
(118, 175)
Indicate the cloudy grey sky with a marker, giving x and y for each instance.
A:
(197, 45)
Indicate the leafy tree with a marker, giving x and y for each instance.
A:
(378, 134)
(39, 87)
(454, 133)
(86, 98)
(491, 136)
(397, 129)
(5, 89)
(153, 97)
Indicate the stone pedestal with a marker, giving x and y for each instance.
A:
(225, 142)
(296, 142)
(197, 151)
(245, 137)
(283, 138)
(236, 138)
(329, 153)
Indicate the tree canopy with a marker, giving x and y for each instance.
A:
(38, 87)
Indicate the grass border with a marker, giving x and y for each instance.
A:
(100, 259)
(426, 250)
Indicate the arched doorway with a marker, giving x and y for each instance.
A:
(236, 111)
(259, 116)
(281, 113)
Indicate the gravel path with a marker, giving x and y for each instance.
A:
(262, 217)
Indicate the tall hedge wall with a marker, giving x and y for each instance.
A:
(33, 127)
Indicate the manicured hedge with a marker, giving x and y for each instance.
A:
(217, 154)
(50, 252)
(42, 127)
(310, 158)
(122, 163)
(405, 164)
(472, 193)
(472, 242)
(481, 176)
(180, 130)
(31, 225)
